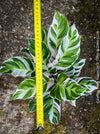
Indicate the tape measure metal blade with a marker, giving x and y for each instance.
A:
(38, 60)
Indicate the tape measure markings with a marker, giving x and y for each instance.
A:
(38, 57)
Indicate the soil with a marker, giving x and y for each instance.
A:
(16, 25)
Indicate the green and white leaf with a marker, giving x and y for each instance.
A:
(44, 46)
(30, 74)
(32, 105)
(4, 70)
(73, 103)
(79, 63)
(18, 66)
(52, 70)
(87, 83)
(26, 51)
(46, 54)
(32, 47)
(69, 71)
(57, 31)
(69, 50)
(66, 88)
(27, 88)
(44, 34)
(45, 82)
(51, 108)
(74, 71)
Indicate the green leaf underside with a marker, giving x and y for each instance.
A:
(58, 30)
(51, 108)
(66, 89)
(18, 66)
(27, 88)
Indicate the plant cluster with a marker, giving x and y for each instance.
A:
(61, 69)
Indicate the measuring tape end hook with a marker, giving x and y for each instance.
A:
(40, 128)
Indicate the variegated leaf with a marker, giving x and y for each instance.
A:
(27, 88)
(70, 71)
(28, 54)
(18, 66)
(69, 50)
(32, 105)
(32, 43)
(51, 108)
(44, 34)
(87, 83)
(57, 31)
(74, 71)
(26, 51)
(45, 82)
(66, 88)
(4, 70)
(79, 63)
(52, 70)
(46, 54)
(32, 47)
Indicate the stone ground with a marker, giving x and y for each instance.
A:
(16, 24)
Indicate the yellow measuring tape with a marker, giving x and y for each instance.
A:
(38, 60)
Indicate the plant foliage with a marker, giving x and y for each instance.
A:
(61, 69)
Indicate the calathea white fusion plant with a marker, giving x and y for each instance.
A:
(61, 68)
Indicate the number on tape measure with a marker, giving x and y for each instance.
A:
(38, 59)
